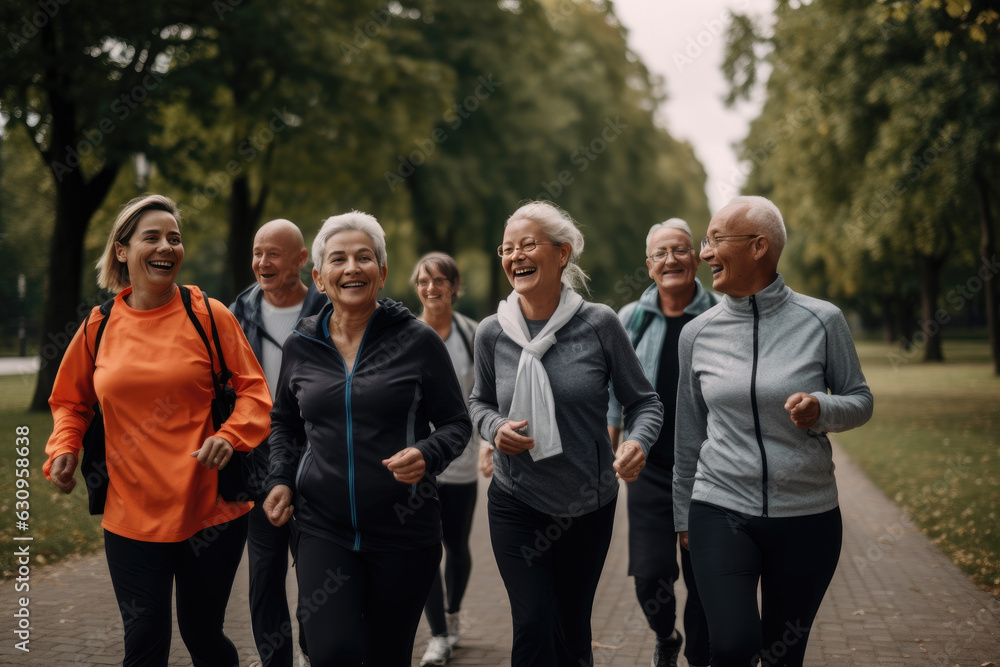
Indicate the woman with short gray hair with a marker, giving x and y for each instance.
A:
(361, 384)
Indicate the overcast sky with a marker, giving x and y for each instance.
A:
(684, 42)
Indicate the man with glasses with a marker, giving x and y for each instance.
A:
(654, 323)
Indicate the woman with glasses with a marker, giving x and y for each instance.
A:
(437, 281)
(654, 323)
(764, 377)
(543, 366)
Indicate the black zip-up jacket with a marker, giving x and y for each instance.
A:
(402, 383)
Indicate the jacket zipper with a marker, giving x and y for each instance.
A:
(350, 425)
(753, 403)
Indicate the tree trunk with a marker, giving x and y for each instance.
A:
(243, 219)
(425, 221)
(987, 252)
(930, 290)
(76, 202)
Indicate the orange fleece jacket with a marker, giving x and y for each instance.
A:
(154, 386)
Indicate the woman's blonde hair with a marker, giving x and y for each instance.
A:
(112, 274)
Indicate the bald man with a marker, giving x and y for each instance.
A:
(267, 311)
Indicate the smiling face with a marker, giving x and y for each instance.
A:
(278, 256)
(734, 261)
(674, 275)
(350, 275)
(434, 290)
(537, 273)
(153, 253)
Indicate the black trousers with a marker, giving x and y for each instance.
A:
(652, 545)
(267, 551)
(203, 569)
(792, 558)
(550, 567)
(361, 607)
(458, 504)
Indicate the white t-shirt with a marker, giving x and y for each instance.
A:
(278, 323)
(465, 468)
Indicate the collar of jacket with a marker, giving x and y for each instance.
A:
(388, 313)
(769, 300)
(702, 301)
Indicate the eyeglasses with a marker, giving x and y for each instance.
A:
(660, 256)
(527, 247)
(438, 282)
(714, 243)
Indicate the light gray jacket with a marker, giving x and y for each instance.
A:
(735, 445)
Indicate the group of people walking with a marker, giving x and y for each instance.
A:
(366, 426)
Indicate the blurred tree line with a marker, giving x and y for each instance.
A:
(880, 142)
(437, 116)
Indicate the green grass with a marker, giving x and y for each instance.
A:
(933, 447)
(59, 523)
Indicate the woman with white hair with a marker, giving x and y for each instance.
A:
(543, 366)
(765, 376)
(373, 395)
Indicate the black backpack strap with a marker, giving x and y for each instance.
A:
(186, 299)
(106, 312)
(224, 374)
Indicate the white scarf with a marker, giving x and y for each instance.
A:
(532, 393)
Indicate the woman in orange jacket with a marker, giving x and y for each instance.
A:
(164, 520)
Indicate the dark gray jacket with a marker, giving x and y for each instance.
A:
(591, 351)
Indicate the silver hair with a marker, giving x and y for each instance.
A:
(355, 220)
(765, 216)
(672, 223)
(560, 227)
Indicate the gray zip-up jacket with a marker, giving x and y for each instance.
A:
(735, 445)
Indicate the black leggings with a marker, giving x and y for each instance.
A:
(458, 504)
(794, 560)
(361, 607)
(267, 551)
(203, 569)
(550, 567)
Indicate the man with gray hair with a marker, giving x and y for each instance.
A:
(654, 323)
(268, 310)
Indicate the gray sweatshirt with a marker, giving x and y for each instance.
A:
(735, 445)
(591, 350)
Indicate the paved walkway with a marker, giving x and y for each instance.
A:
(895, 600)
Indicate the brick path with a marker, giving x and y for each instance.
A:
(895, 600)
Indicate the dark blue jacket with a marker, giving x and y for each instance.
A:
(402, 382)
(247, 310)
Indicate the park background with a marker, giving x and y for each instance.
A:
(875, 128)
